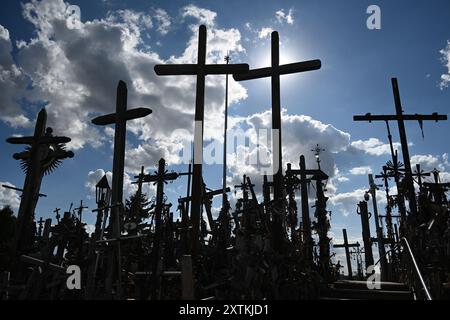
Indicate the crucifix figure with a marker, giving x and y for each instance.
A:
(43, 155)
(201, 70)
(275, 71)
(401, 118)
(119, 118)
(347, 247)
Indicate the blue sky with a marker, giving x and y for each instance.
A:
(74, 73)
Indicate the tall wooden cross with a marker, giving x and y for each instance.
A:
(401, 118)
(201, 70)
(39, 151)
(275, 71)
(379, 230)
(347, 247)
(364, 213)
(306, 176)
(119, 118)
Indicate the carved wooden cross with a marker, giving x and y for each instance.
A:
(401, 118)
(274, 71)
(201, 69)
(119, 118)
(33, 159)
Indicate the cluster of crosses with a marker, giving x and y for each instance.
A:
(138, 250)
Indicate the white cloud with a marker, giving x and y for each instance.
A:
(364, 170)
(75, 71)
(204, 16)
(95, 176)
(12, 84)
(346, 202)
(4, 33)
(426, 161)
(9, 197)
(264, 32)
(445, 77)
(312, 132)
(164, 21)
(374, 146)
(429, 162)
(283, 17)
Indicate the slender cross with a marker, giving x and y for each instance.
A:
(275, 71)
(389, 226)
(58, 216)
(38, 151)
(201, 70)
(401, 118)
(364, 213)
(347, 247)
(80, 210)
(379, 230)
(119, 118)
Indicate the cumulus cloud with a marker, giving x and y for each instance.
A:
(427, 162)
(74, 72)
(364, 170)
(346, 202)
(374, 146)
(264, 32)
(283, 17)
(430, 162)
(164, 21)
(312, 132)
(204, 16)
(9, 197)
(12, 84)
(445, 58)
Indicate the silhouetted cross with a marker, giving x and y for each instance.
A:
(201, 69)
(274, 72)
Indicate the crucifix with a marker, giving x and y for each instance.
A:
(201, 70)
(274, 72)
(401, 118)
(347, 247)
(119, 119)
(43, 155)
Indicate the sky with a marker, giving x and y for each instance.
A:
(71, 66)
